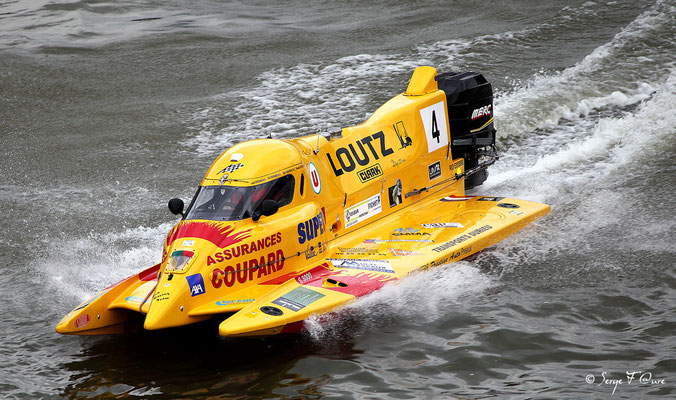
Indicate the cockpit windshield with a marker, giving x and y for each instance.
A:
(233, 203)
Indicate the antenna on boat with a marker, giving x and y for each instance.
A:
(329, 135)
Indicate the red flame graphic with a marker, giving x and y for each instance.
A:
(312, 274)
(358, 284)
(218, 234)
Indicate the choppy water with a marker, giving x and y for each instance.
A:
(108, 109)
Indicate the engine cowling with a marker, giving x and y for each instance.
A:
(469, 97)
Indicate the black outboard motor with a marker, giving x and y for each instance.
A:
(470, 111)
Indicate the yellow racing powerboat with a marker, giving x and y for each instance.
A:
(280, 230)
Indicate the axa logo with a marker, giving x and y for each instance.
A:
(196, 284)
(481, 111)
(349, 158)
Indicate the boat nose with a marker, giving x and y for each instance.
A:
(169, 307)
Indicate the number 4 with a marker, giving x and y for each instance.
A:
(435, 125)
(435, 128)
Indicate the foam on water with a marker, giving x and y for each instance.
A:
(423, 296)
(448, 51)
(548, 98)
(615, 141)
(302, 100)
(580, 125)
(588, 181)
(101, 259)
(585, 149)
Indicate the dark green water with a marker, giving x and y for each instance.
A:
(108, 109)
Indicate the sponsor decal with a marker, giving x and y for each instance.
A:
(348, 158)
(462, 238)
(462, 252)
(315, 180)
(490, 198)
(196, 283)
(161, 296)
(363, 210)
(230, 302)
(408, 231)
(244, 249)
(454, 198)
(440, 261)
(311, 251)
(369, 173)
(231, 168)
(305, 278)
(266, 178)
(403, 253)
(400, 130)
(443, 225)
(397, 162)
(318, 271)
(434, 170)
(298, 298)
(436, 129)
(358, 251)
(246, 271)
(396, 240)
(274, 175)
(508, 205)
(481, 111)
(311, 228)
(515, 212)
(456, 165)
(395, 193)
(82, 320)
(188, 243)
(367, 265)
(133, 299)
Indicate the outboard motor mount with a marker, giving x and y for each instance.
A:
(469, 97)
